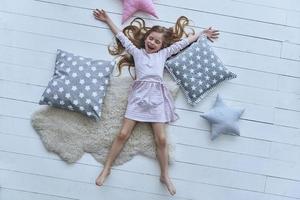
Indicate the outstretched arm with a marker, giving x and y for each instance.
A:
(102, 16)
(127, 44)
(211, 34)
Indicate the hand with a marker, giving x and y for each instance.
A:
(101, 15)
(211, 34)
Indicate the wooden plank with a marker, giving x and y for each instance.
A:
(68, 188)
(8, 194)
(61, 170)
(227, 8)
(259, 62)
(290, 51)
(287, 118)
(284, 5)
(184, 154)
(35, 41)
(240, 162)
(290, 101)
(284, 187)
(223, 23)
(289, 84)
(48, 44)
(79, 189)
(293, 19)
(285, 152)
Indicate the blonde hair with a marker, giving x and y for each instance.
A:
(137, 32)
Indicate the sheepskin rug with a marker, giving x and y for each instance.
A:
(70, 134)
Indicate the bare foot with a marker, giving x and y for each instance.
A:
(169, 184)
(102, 176)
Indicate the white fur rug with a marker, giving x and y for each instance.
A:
(70, 134)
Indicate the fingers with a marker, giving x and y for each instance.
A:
(99, 12)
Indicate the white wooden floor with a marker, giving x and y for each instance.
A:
(260, 41)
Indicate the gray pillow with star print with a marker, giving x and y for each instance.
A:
(78, 84)
(198, 70)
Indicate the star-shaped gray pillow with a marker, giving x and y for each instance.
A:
(223, 119)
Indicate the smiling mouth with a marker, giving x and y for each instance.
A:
(150, 48)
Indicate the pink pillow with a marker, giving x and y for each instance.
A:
(132, 6)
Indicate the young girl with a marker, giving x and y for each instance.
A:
(149, 99)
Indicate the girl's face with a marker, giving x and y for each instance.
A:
(153, 42)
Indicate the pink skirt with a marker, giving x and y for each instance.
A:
(150, 101)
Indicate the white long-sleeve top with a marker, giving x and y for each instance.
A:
(150, 64)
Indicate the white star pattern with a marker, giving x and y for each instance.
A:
(74, 74)
(100, 74)
(67, 82)
(75, 102)
(74, 88)
(81, 95)
(67, 95)
(75, 84)
(88, 75)
(94, 94)
(87, 88)
(81, 81)
(88, 101)
(54, 83)
(94, 80)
